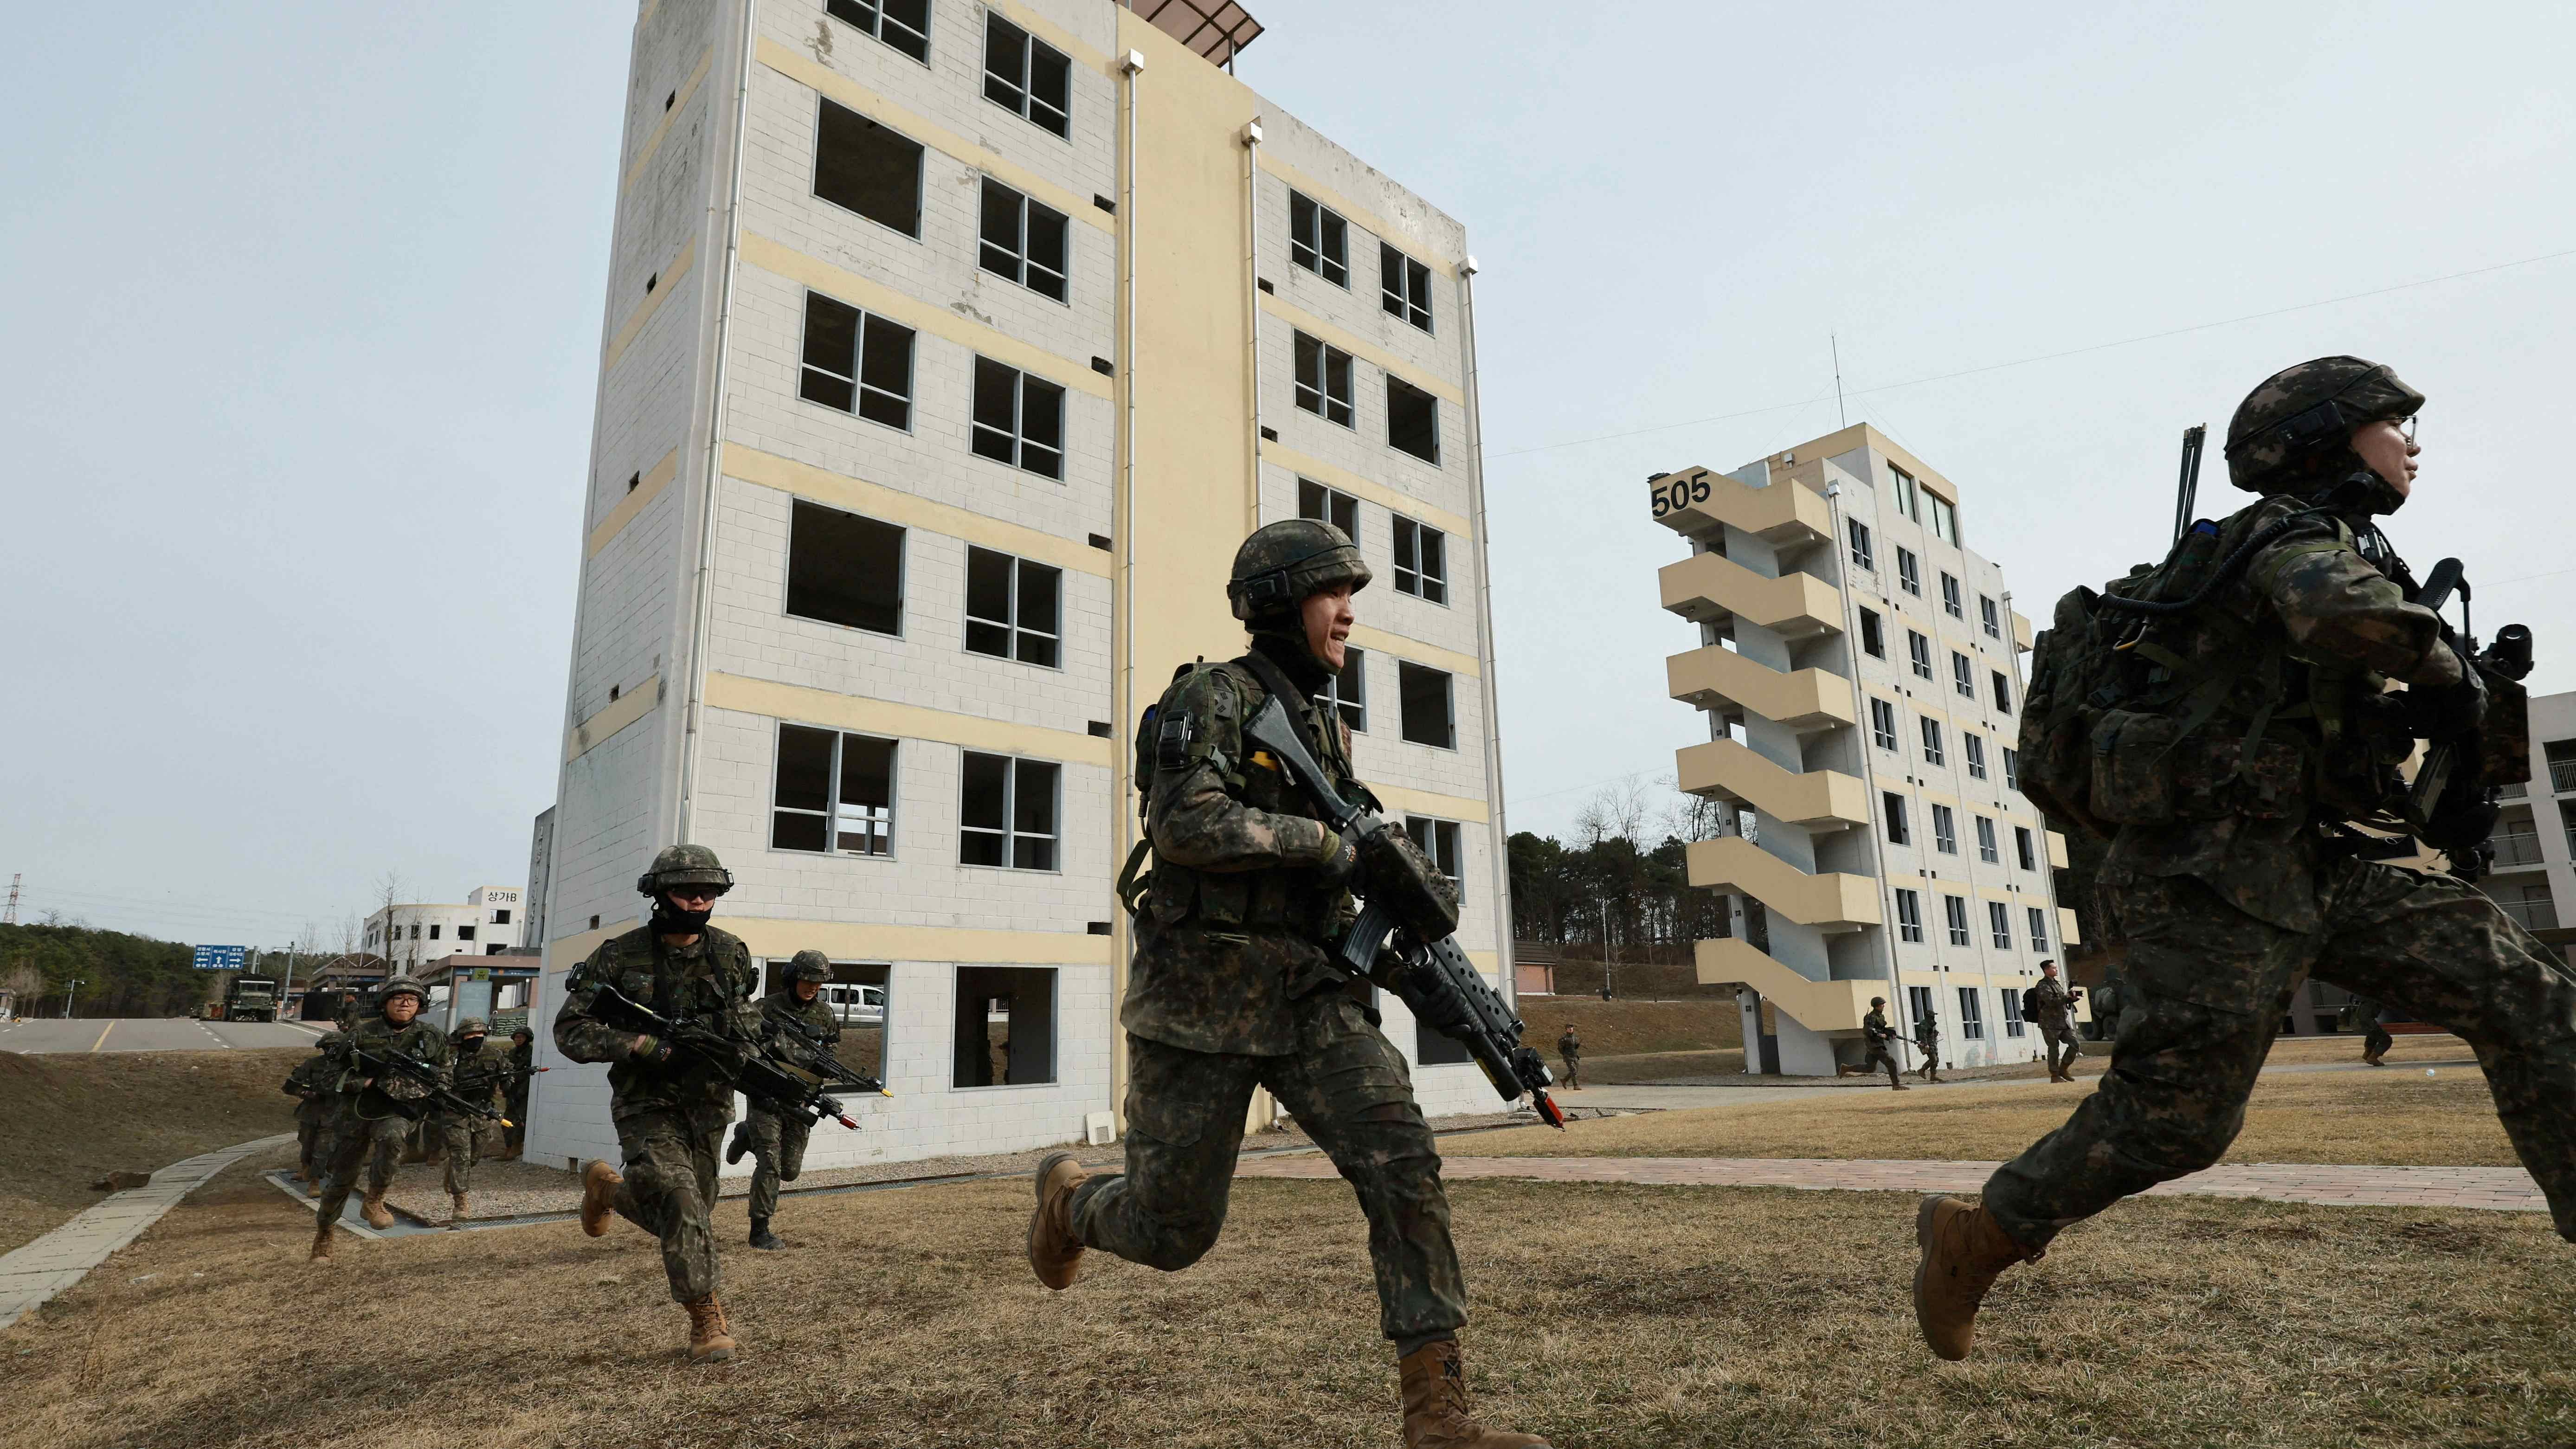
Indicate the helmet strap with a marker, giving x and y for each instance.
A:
(670, 920)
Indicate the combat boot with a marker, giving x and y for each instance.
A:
(372, 1208)
(1434, 1381)
(456, 1219)
(1054, 1252)
(321, 1240)
(739, 1143)
(599, 1184)
(1964, 1251)
(763, 1238)
(710, 1341)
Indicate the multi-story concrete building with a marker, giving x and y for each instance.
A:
(950, 351)
(2533, 880)
(1861, 667)
(486, 924)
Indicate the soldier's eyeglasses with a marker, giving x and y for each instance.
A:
(2405, 425)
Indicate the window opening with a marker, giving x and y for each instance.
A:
(1012, 608)
(903, 24)
(1008, 812)
(1019, 419)
(834, 792)
(1329, 505)
(1027, 77)
(1424, 700)
(1324, 380)
(856, 362)
(1319, 239)
(868, 169)
(1404, 287)
(1412, 420)
(1421, 561)
(1005, 1027)
(844, 569)
(1024, 241)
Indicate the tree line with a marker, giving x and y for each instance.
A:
(120, 974)
(1622, 879)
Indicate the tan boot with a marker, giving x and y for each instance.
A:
(372, 1208)
(599, 1184)
(321, 1241)
(1434, 1381)
(1054, 1253)
(456, 1219)
(1964, 1251)
(710, 1340)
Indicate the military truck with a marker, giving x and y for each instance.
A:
(250, 998)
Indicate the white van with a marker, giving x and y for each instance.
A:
(856, 1005)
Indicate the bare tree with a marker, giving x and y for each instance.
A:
(390, 890)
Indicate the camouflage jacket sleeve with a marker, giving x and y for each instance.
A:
(1196, 820)
(580, 1036)
(2335, 605)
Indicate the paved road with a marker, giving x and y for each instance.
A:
(167, 1034)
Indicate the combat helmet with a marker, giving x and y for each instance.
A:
(811, 966)
(680, 865)
(473, 1026)
(2301, 413)
(396, 985)
(1282, 563)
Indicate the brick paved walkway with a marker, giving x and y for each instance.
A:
(2505, 1189)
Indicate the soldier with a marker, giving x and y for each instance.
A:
(1569, 1047)
(669, 1108)
(1927, 1040)
(350, 1012)
(2376, 1041)
(2050, 1005)
(1232, 989)
(778, 1143)
(364, 1124)
(523, 1065)
(308, 1084)
(2264, 726)
(1875, 1030)
(478, 1069)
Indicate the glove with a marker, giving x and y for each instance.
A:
(1341, 860)
(650, 1049)
(2441, 712)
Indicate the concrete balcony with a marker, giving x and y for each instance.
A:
(1701, 504)
(1817, 799)
(2068, 932)
(2022, 637)
(1820, 1006)
(1708, 588)
(2057, 857)
(1720, 679)
(1830, 902)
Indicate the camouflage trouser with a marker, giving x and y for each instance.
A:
(778, 1145)
(464, 1138)
(374, 1141)
(2209, 986)
(1573, 1072)
(2057, 1039)
(2378, 1041)
(670, 1190)
(1931, 1059)
(310, 1144)
(1880, 1056)
(1350, 1091)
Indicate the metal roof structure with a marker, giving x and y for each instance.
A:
(1216, 29)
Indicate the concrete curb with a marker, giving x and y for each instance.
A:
(34, 1274)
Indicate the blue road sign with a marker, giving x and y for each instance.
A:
(220, 958)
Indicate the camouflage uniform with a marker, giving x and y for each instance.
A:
(1232, 989)
(1927, 1040)
(2230, 891)
(363, 1125)
(1569, 1048)
(309, 1085)
(778, 1143)
(2375, 1040)
(669, 1116)
(2050, 1007)
(477, 1077)
(1875, 1030)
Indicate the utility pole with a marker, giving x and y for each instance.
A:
(68, 988)
(1609, 952)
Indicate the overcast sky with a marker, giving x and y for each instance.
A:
(304, 310)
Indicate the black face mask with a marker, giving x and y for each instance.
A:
(670, 920)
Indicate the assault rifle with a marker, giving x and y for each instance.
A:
(744, 1066)
(434, 1093)
(815, 1057)
(1435, 980)
(2449, 807)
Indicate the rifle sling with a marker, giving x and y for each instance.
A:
(1275, 679)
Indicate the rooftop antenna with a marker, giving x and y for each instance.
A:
(1840, 421)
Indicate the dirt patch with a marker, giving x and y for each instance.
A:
(72, 1119)
(1608, 1316)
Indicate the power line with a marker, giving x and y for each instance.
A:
(2039, 357)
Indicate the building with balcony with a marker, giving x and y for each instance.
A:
(950, 351)
(1860, 667)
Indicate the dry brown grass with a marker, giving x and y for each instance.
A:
(1608, 1317)
(2411, 1047)
(2394, 1116)
(1658, 1066)
(1623, 1027)
(67, 1119)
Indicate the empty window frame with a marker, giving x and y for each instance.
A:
(1932, 752)
(1945, 830)
(1904, 490)
(844, 569)
(1918, 1000)
(1909, 915)
(867, 168)
(1423, 698)
(834, 792)
(856, 362)
(1007, 812)
(465, 933)
(1990, 616)
(1858, 532)
(1329, 505)
(2012, 768)
(1974, 746)
(1963, 675)
(1953, 602)
(500, 918)
(1944, 519)
(1348, 691)
(433, 933)
(2010, 998)
(1019, 419)
(903, 24)
(1893, 806)
(1882, 724)
(1909, 572)
(1005, 1027)
(1421, 561)
(1987, 849)
(1972, 1022)
(1412, 420)
(1025, 241)
(2003, 691)
(858, 997)
(1439, 840)
(1318, 239)
(2038, 928)
(1873, 634)
(1404, 287)
(1027, 77)
(2025, 848)
(1918, 649)
(1324, 380)
(1954, 912)
(1014, 608)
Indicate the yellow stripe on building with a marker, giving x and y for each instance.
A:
(629, 706)
(1366, 489)
(1360, 347)
(893, 505)
(644, 492)
(1377, 225)
(665, 280)
(901, 721)
(662, 129)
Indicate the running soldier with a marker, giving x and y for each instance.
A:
(309, 1085)
(365, 1124)
(477, 1070)
(2050, 1005)
(1881, 1038)
(1927, 1040)
(778, 1143)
